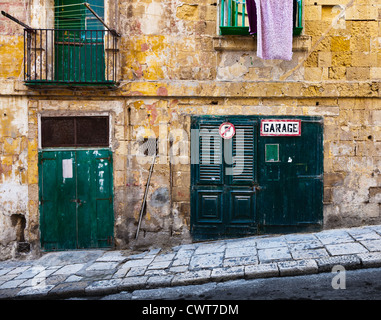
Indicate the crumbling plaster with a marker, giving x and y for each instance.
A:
(175, 64)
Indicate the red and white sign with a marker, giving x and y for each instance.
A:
(227, 130)
(281, 128)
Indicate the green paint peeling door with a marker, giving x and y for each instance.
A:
(253, 183)
(76, 203)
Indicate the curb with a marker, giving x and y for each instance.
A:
(287, 268)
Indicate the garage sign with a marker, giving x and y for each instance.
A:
(279, 128)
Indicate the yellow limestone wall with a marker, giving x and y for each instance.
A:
(172, 64)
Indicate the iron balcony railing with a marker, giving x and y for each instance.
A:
(234, 19)
(70, 57)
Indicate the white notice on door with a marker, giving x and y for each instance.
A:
(67, 168)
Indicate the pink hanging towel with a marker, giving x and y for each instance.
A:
(274, 29)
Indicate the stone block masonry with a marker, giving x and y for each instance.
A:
(172, 64)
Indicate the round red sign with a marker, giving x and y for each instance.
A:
(227, 130)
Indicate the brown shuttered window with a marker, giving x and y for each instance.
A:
(75, 131)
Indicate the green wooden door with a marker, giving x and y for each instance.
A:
(79, 42)
(223, 194)
(255, 184)
(291, 179)
(57, 201)
(76, 204)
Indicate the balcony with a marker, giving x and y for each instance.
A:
(70, 58)
(234, 20)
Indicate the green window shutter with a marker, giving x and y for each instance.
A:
(69, 14)
(233, 159)
(79, 47)
(92, 23)
(244, 154)
(210, 154)
(234, 20)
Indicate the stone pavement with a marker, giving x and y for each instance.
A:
(65, 274)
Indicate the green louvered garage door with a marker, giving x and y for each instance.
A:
(253, 184)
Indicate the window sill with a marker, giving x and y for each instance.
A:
(244, 31)
(40, 84)
(242, 43)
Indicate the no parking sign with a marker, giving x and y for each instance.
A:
(227, 130)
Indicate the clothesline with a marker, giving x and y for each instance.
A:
(77, 26)
(72, 5)
(71, 16)
(145, 14)
(76, 10)
(72, 23)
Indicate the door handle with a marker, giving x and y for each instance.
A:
(258, 188)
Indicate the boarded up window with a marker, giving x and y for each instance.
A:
(75, 131)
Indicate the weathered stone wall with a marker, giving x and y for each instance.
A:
(335, 73)
(345, 40)
(352, 155)
(352, 193)
(174, 63)
(14, 172)
(166, 220)
(179, 40)
(14, 143)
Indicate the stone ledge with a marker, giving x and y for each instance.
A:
(257, 271)
(370, 260)
(249, 43)
(349, 262)
(215, 89)
(294, 268)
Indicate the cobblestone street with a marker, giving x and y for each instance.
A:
(97, 272)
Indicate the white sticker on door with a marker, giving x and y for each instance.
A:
(67, 168)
